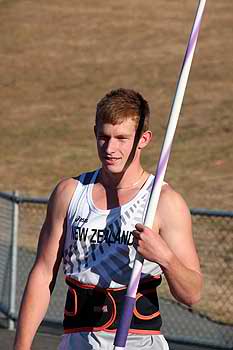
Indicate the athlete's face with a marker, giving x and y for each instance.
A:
(114, 144)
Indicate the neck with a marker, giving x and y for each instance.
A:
(122, 181)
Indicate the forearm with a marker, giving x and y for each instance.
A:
(185, 284)
(33, 308)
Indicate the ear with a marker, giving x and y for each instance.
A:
(145, 139)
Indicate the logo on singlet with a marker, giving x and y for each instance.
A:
(98, 236)
(79, 219)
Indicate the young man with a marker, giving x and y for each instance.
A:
(94, 222)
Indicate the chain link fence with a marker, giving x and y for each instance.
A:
(209, 323)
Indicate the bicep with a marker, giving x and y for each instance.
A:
(50, 244)
(52, 235)
(176, 230)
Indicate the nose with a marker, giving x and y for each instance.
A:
(110, 146)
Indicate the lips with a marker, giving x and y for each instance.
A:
(111, 160)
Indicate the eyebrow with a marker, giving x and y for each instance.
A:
(101, 133)
(123, 135)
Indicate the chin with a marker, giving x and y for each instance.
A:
(113, 169)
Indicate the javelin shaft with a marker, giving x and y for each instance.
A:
(129, 302)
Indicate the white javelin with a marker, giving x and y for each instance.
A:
(127, 311)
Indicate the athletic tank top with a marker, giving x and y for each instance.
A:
(99, 243)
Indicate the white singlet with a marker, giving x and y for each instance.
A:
(99, 251)
(99, 243)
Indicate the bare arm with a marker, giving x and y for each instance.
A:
(43, 275)
(171, 245)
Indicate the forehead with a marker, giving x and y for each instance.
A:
(127, 126)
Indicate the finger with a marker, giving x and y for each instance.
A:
(136, 234)
(135, 243)
(139, 227)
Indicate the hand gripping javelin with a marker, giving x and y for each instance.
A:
(130, 297)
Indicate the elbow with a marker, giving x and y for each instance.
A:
(194, 298)
(189, 299)
(194, 295)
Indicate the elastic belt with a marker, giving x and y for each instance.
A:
(90, 308)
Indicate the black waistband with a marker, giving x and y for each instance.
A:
(90, 308)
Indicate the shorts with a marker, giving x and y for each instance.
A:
(104, 341)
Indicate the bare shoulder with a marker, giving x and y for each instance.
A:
(65, 187)
(53, 230)
(170, 196)
(172, 205)
(62, 195)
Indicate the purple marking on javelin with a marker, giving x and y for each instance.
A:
(161, 167)
(124, 325)
(125, 320)
(134, 286)
(193, 38)
(163, 162)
